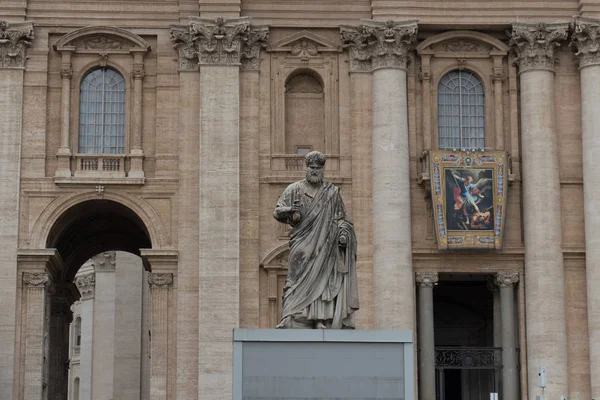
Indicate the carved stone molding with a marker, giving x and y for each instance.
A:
(13, 43)
(102, 43)
(218, 41)
(138, 74)
(35, 279)
(427, 279)
(506, 279)
(160, 280)
(105, 261)
(86, 284)
(66, 73)
(462, 46)
(376, 44)
(534, 44)
(586, 41)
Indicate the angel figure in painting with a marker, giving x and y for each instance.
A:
(469, 201)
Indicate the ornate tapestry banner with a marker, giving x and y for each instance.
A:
(468, 192)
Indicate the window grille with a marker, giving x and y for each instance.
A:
(461, 112)
(102, 113)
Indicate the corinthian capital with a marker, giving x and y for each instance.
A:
(13, 43)
(535, 44)
(586, 41)
(507, 279)
(427, 279)
(218, 41)
(376, 44)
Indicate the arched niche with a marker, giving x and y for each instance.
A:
(304, 112)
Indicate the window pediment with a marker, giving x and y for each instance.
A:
(304, 44)
(106, 39)
(462, 42)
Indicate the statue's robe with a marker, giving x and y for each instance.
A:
(321, 284)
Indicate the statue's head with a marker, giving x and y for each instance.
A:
(315, 162)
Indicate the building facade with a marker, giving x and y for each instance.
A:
(168, 129)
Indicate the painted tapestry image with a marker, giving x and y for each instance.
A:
(468, 195)
(469, 199)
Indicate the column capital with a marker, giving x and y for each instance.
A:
(160, 280)
(427, 279)
(218, 41)
(586, 41)
(506, 279)
(86, 284)
(36, 279)
(14, 39)
(105, 262)
(377, 44)
(535, 44)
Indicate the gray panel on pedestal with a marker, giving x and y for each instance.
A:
(269, 365)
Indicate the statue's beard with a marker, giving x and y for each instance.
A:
(314, 178)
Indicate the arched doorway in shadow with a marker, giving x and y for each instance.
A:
(85, 230)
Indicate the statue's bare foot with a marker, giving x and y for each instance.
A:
(320, 325)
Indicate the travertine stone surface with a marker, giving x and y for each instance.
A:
(11, 103)
(426, 281)
(586, 41)
(393, 288)
(219, 226)
(544, 277)
(103, 346)
(507, 281)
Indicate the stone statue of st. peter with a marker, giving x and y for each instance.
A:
(321, 290)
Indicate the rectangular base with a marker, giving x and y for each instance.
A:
(322, 364)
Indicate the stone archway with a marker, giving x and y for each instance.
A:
(47, 291)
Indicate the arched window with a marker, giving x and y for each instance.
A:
(102, 113)
(461, 111)
(77, 331)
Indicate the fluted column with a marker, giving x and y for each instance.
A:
(384, 48)
(16, 38)
(544, 278)
(34, 292)
(64, 152)
(160, 283)
(220, 47)
(137, 153)
(510, 376)
(425, 283)
(586, 41)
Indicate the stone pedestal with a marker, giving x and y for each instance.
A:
(322, 363)
(544, 276)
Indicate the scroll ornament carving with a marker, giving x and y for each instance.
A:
(384, 44)
(35, 279)
(13, 43)
(427, 279)
(102, 43)
(304, 49)
(507, 279)
(462, 46)
(66, 73)
(586, 42)
(160, 280)
(138, 74)
(535, 44)
(220, 41)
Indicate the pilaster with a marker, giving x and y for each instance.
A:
(510, 374)
(586, 43)
(14, 41)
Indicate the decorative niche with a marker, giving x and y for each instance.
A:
(304, 110)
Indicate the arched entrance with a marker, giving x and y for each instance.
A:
(47, 291)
